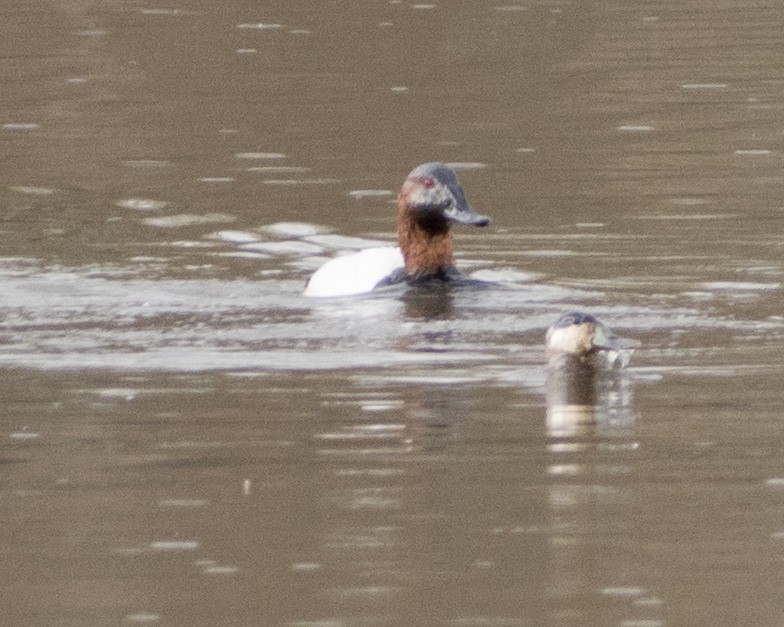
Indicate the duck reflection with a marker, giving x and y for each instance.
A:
(585, 386)
(592, 451)
(431, 300)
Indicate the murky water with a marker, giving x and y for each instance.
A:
(190, 441)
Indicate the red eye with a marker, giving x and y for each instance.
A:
(427, 183)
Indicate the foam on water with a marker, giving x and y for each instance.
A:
(187, 219)
(294, 229)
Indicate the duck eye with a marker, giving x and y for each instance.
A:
(427, 183)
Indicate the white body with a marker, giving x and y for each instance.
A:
(356, 273)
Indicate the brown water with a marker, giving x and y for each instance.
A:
(189, 441)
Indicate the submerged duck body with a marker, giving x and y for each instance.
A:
(430, 200)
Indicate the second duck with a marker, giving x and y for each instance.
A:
(430, 200)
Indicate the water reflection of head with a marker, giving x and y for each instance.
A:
(583, 383)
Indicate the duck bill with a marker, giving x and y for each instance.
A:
(463, 214)
(604, 340)
(618, 344)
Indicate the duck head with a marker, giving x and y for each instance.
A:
(580, 335)
(430, 200)
(576, 333)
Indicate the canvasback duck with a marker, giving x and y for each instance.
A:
(429, 201)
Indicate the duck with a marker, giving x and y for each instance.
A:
(584, 362)
(430, 201)
(579, 335)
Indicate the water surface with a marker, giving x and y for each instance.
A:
(190, 441)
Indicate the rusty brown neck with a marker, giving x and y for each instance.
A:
(426, 242)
